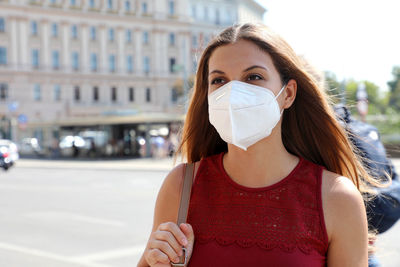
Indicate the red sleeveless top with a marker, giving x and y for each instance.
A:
(277, 225)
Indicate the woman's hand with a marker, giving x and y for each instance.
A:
(165, 244)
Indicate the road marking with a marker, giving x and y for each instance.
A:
(112, 254)
(48, 255)
(67, 216)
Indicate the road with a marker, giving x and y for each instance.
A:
(93, 214)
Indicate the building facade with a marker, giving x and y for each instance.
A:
(62, 61)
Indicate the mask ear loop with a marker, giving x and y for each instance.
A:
(280, 92)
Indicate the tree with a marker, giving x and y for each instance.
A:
(394, 85)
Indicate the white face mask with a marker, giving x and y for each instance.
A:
(243, 113)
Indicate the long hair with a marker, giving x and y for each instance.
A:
(309, 127)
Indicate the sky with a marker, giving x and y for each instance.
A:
(355, 39)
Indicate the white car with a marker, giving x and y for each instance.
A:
(11, 147)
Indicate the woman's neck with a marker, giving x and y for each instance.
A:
(263, 164)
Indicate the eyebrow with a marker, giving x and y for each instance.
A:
(249, 68)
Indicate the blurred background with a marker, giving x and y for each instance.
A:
(93, 94)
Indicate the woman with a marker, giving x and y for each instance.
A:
(277, 182)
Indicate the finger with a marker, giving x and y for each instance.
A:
(188, 231)
(169, 237)
(174, 229)
(155, 256)
(164, 247)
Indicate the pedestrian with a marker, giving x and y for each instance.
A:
(276, 181)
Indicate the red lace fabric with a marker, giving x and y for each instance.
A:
(269, 226)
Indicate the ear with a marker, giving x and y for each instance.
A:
(289, 93)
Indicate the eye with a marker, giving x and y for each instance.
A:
(254, 77)
(217, 81)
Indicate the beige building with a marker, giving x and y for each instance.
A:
(66, 62)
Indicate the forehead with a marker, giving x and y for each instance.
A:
(239, 55)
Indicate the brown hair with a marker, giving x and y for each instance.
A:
(309, 127)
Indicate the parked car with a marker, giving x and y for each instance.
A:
(8, 153)
(30, 147)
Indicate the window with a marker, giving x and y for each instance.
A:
(194, 11)
(35, 58)
(3, 91)
(113, 94)
(54, 30)
(77, 93)
(93, 62)
(127, 6)
(95, 94)
(131, 94)
(205, 13)
(75, 60)
(174, 95)
(171, 6)
(111, 61)
(129, 63)
(148, 95)
(56, 59)
(111, 35)
(128, 35)
(34, 28)
(72, 2)
(2, 25)
(144, 8)
(146, 64)
(74, 32)
(37, 94)
(52, 2)
(217, 17)
(145, 38)
(3, 55)
(194, 40)
(109, 4)
(172, 39)
(57, 92)
(172, 65)
(91, 4)
(93, 33)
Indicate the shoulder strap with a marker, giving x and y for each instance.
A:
(186, 189)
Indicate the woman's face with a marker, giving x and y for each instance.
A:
(243, 61)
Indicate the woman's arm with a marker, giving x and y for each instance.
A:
(346, 222)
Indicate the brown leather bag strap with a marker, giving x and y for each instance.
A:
(186, 189)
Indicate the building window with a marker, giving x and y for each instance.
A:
(54, 30)
(56, 59)
(145, 38)
(77, 94)
(57, 92)
(148, 95)
(91, 4)
(206, 13)
(111, 35)
(194, 41)
(131, 94)
(113, 94)
(172, 65)
(110, 4)
(128, 35)
(3, 91)
(37, 94)
(75, 60)
(93, 33)
(35, 58)
(95, 94)
(217, 17)
(174, 95)
(74, 32)
(171, 6)
(194, 11)
(172, 39)
(129, 63)
(3, 55)
(2, 25)
(93, 62)
(34, 28)
(72, 2)
(52, 2)
(111, 61)
(146, 64)
(144, 8)
(127, 6)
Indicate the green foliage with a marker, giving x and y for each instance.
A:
(394, 85)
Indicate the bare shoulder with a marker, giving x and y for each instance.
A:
(345, 219)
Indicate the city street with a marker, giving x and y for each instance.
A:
(92, 213)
